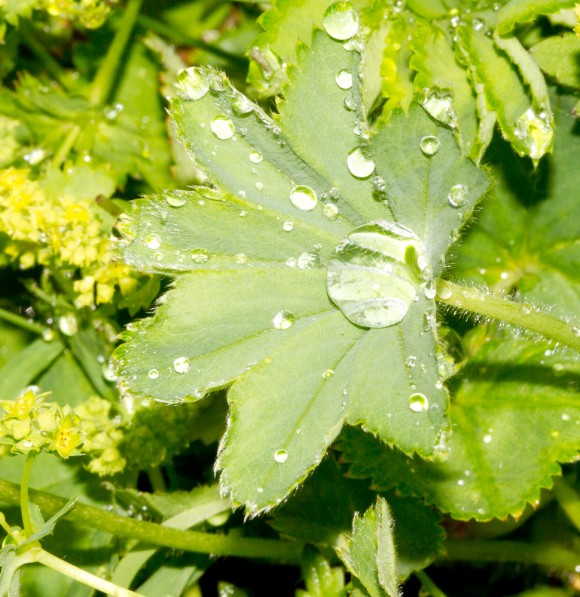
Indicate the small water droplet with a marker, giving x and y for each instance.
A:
(280, 456)
(256, 157)
(243, 213)
(240, 258)
(418, 402)
(327, 374)
(457, 196)
(260, 186)
(334, 193)
(260, 489)
(440, 105)
(199, 256)
(430, 289)
(35, 156)
(153, 374)
(242, 105)
(411, 361)
(288, 226)
(444, 292)
(192, 84)
(344, 79)
(330, 211)
(176, 200)
(341, 21)
(308, 260)
(303, 197)
(181, 365)
(487, 438)
(461, 482)
(358, 164)
(526, 309)
(283, 320)
(477, 24)
(349, 103)
(68, 324)
(222, 127)
(430, 145)
(153, 241)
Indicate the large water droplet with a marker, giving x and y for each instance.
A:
(375, 275)
(430, 145)
(536, 132)
(457, 196)
(181, 365)
(153, 241)
(283, 320)
(418, 402)
(281, 456)
(192, 84)
(341, 21)
(440, 105)
(358, 164)
(303, 197)
(344, 79)
(222, 127)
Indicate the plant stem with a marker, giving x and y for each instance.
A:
(66, 145)
(80, 575)
(156, 478)
(569, 500)
(53, 68)
(148, 532)
(428, 585)
(542, 554)
(21, 322)
(105, 78)
(24, 500)
(475, 301)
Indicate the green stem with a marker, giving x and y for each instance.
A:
(475, 301)
(542, 554)
(428, 585)
(52, 67)
(569, 500)
(156, 478)
(5, 525)
(21, 322)
(100, 584)
(24, 499)
(148, 532)
(66, 145)
(105, 78)
(181, 38)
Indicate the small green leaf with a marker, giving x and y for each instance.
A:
(558, 57)
(525, 11)
(369, 553)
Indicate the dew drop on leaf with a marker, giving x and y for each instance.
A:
(192, 84)
(199, 256)
(68, 324)
(327, 374)
(153, 241)
(181, 365)
(240, 258)
(411, 361)
(330, 211)
(283, 320)
(303, 197)
(457, 196)
(153, 374)
(440, 105)
(358, 164)
(281, 456)
(176, 200)
(376, 274)
(308, 260)
(418, 402)
(487, 439)
(256, 157)
(242, 105)
(430, 145)
(341, 21)
(222, 127)
(288, 226)
(344, 79)
(535, 131)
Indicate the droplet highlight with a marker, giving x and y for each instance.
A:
(181, 365)
(359, 165)
(222, 127)
(430, 145)
(281, 456)
(303, 198)
(457, 196)
(344, 80)
(418, 402)
(153, 241)
(283, 320)
(256, 157)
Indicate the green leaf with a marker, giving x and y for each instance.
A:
(320, 578)
(525, 11)
(286, 201)
(369, 553)
(558, 57)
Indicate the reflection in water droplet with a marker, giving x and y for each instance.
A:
(153, 374)
(418, 402)
(283, 320)
(153, 241)
(358, 164)
(344, 79)
(440, 105)
(181, 365)
(199, 256)
(222, 127)
(327, 374)
(176, 200)
(536, 132)
(375, 276)
(341, 21)
(457, 196)
(192, 84)
(281, 456)
(256, 157)
(288, 226)
(430, 145)
(303, 197)
(330, 211)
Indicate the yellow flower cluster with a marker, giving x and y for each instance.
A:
(28, 424)
(89, 13)
(59, 231)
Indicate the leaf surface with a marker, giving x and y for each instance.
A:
(524, 11)
(558, 57)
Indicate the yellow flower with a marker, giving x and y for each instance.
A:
(68, 436)
(20, 407)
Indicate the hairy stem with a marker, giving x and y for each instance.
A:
(569, 500)
(21, 322)
(542, 554)
(475, 301)
(105, 78)
(148, 532)
(82, 576)
(24, 499)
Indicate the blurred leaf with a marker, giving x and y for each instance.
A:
(524, 11)
(559, 58)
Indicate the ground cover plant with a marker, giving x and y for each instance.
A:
(290, 298)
